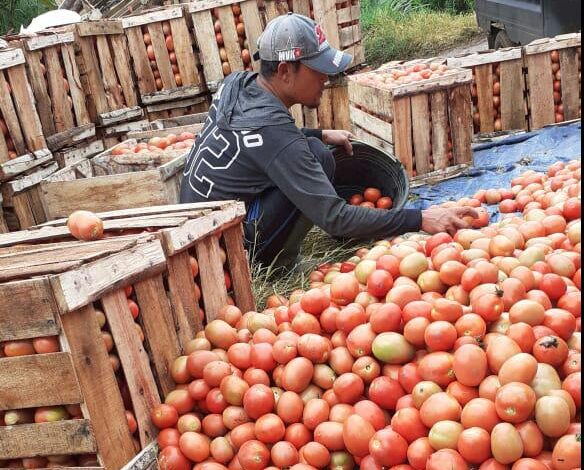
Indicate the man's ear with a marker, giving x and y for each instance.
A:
(285, 71)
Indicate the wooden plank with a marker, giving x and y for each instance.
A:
(239, 268)
(271, 10)
(540, 90)
(439, 112)
(24, 102)
(75, 87)
(60, 437)
(185, 308)
(162, 55)
(203, 5)
(325, 110)
(570, 83)
(484, 83)
(46, 41)
(349, 14)
(230, 38)
(77, 288)
(325, 14)
(460, 116)
(253, 26)
(340, 105)
(104, 404)
(17, 300)
(371, 99)
(39, 87)
(134, 360)
(166, 13)
(144, 75)
(23, 211)
(421, 135)
(184, 52)
(310, 117)
(485, 57)
(185, 91)
(11, 118)
(513, 112)
(121, 57)
(374, 125)
(402, 132)
(212, 278)
(27, 181)
(10, 58)
(120, 115)
(156, 318)
(75, 155)
(95, 28)
(70, 137)
(22, 375)
(448, 80)
(93, 73)
(349, 35)
(209, 51)
(62, 114)
(113, 94)
(550, 44)
(3, 156)
(297, 114)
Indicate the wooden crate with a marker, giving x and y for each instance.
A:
(187, 120)
(56, 83)
(114, 182)
(22, 143)
(498, 89)
(234, 50)
(58, 284)
(105, 66)
(178, 108)
(426, 124)
(70, 155)
(163, 74)
(553, 79)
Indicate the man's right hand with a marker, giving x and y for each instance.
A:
(450, 220)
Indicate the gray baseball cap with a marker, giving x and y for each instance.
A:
(297, 38)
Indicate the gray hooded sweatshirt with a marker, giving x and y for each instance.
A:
(250, 143)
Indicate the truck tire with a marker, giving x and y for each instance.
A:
(502, 40)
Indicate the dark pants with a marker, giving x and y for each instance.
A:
(274, 228)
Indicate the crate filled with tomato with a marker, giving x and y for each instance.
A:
(421, 352)
(420, 112)
(165, 61)
(498, 90)
(144, 170)
(553, 67)
(115, 303)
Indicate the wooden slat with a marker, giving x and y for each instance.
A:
(363, 135)
(297, 114)
(540, 90)
(310, 117)
(10, 58)
(348, 14)
(570, 83)
(24, 102)
(484, 83)
(77, 288)
(46, 41)
(239, 268)
(146, 82)
(60, 437)
(349, 35)
(112, 92)
(460, 114)
(325, 14)
(377, 101)
(421, 135)
(134, 360)
(62, 114)
(75, 87)
(204, 29)
(185, 308)
(95, 28)
(120, 53)
(230, 38)
(374, 125)
(513, 112)
(271, 10)
(162, 55)
(156, 318)
(212, 278)
(402, 132)
(39, 87)
(11, 118)
(340, 104)
(549, 44)
(439, 111)
(103, 403)
(3, 156)
(167, 13)
(17, 301)
(22, 375)
(93, 73)
(253, 26)
(23, 211)
(485, 57)
(184, 52)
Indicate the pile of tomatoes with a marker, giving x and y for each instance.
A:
(183, 141)
(371, 198)
(420, 353)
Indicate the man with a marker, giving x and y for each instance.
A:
(250, 149)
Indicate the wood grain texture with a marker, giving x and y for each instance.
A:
(253, 27)
(402, 132)
(143, 72)
(439, 113)
(230, 38)
(162, 56)
(93, 73)
(540, 90)
(184, 52)
(484, 82)
(209, 51)
(11, 117)
(460, 114)
(75, 87)
(113, 94)
(421, 136)
(325, 13)
(513, 105)
(38, 380)
(40, 91)
(239, 268)
(62, 114)
(570, 83)
(120, 51)
(374, 125)
(211, 273)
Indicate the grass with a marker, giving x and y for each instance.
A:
(21, 12)
(409, 29)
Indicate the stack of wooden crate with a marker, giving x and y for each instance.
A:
(553, 68)
(24, 156)
(166, 63)
(99, 325)
(425, 122)
(498, 89)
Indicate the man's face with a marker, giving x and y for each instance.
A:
(305, 86)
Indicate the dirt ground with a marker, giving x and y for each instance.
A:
(477, 44)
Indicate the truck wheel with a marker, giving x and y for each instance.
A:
(502, 40)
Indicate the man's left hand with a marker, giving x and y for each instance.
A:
(338, 137)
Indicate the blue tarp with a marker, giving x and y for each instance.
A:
(497, 163)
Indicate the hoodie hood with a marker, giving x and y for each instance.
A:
(245, 105)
